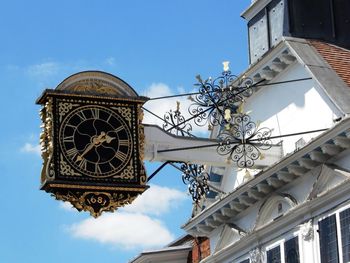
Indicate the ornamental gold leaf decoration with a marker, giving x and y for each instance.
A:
(64, 108)
(141, 133)
(121, 199)
(70, 197)
(66, 169)
(128, 173)
(143, 176)
(141, 142)
(125, 112)
(140, 113)
(96, 202)
(46, 140)
(94, 86)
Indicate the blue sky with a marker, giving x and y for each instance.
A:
(158, 47)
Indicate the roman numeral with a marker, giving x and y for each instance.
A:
(112, 166)
(70, 125)
(97, 169)
(121, 156)
(124, 142)
(72, 153)
(68, 139)
(109, 117)
(81, 115)
(95, 113)
(83, 164)
(120, 128)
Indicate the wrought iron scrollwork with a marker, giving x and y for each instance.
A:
(216, 96)
(243, 141)
(175, 123)
(196, 178)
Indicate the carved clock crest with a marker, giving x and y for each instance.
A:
(92, 142)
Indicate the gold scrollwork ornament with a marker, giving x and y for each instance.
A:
(66, 169)
(128, 173)
(64, 108)
(96, 202)
(46, 141)
(124, 112)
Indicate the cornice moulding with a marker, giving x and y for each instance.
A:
(254, 8)
(290, 220)
(315, 143)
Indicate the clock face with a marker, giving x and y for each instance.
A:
(96, 141)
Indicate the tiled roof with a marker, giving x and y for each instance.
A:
(338, 58)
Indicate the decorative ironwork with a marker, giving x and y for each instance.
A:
(218, 95)
(243, 140)
(196, 178)
(176, 123)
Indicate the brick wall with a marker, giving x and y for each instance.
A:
(200, 250)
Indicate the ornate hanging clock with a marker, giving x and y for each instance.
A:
(92, 142)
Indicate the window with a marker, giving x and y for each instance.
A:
(291, 250)
(344, 218)
(328, 240)
(274, 255)
(334, 235)
(287, 252)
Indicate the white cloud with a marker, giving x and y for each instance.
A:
(110, 61)
(31, 148)
(158, 90)
(160, 107)
(132, 226)
(46, 69)
(125, 230)
(156, 200)
(67, 206)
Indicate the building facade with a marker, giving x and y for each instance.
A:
(294, 204)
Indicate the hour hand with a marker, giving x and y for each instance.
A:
(109, 139)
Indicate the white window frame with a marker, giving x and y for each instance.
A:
(335, 212)
(281, 243)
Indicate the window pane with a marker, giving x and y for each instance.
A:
(345, 234)
(328, 240)
(274, 255)
(291, 250)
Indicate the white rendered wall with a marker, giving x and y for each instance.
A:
(287, 108)
(291, 107)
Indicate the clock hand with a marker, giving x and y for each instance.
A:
(80, 157)
(109, 139)
(96, 141)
